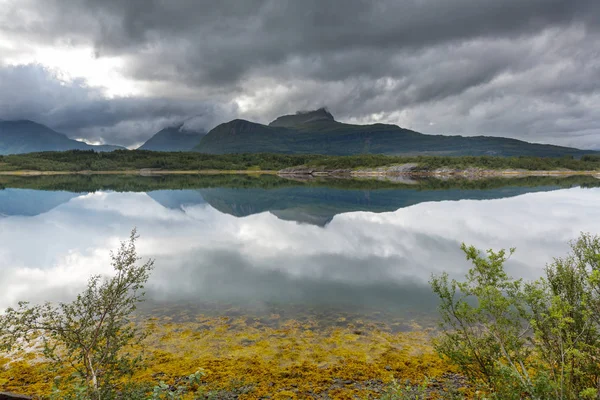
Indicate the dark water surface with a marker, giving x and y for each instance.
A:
(274, 246)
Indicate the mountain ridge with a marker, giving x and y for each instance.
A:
(308, 132)
(26, 136)
(317, 132)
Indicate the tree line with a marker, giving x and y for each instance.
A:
(120, 160)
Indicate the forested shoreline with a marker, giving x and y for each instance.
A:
(136, 183)
(127, 160)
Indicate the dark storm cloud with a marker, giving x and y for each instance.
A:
(228, 38)
(34, 92)
(220, 42)
(526, 69)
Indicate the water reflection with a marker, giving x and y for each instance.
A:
(31, 202)
(361, 250)
(318, 205)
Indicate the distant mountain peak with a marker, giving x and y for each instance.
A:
(303, 117)
(321, 113)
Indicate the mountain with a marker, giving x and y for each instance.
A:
(317, 132)
(173, 139)
(25, 136)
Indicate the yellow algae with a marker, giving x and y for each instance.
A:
(289, 360)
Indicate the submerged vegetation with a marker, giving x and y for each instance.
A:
(120, 160)
(498, 338)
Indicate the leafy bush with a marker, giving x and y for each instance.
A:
(565, 317)
(536, 340)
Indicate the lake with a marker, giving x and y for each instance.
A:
(273, 245)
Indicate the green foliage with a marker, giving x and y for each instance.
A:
(120, 160)
(591, 158)
(136, 183)
(189, 385)
(162, 391)
(484, 324)
(538, 340)
(565, 308)
(93, 334)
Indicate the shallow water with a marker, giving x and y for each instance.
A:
(281, 248)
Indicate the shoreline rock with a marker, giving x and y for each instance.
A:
(411, 170)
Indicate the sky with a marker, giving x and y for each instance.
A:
(116, 71)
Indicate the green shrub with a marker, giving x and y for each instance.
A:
(538, 340)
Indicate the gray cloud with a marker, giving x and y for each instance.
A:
(523, 69)
(34, 92)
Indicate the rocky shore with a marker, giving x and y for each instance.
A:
(414, 170)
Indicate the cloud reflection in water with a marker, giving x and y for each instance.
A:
(359, 259)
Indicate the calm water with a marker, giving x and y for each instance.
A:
(283, 247)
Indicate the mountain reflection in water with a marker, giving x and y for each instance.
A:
(283, 247)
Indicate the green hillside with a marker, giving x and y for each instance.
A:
(317, 132)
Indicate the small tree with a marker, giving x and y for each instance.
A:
(92, 334)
